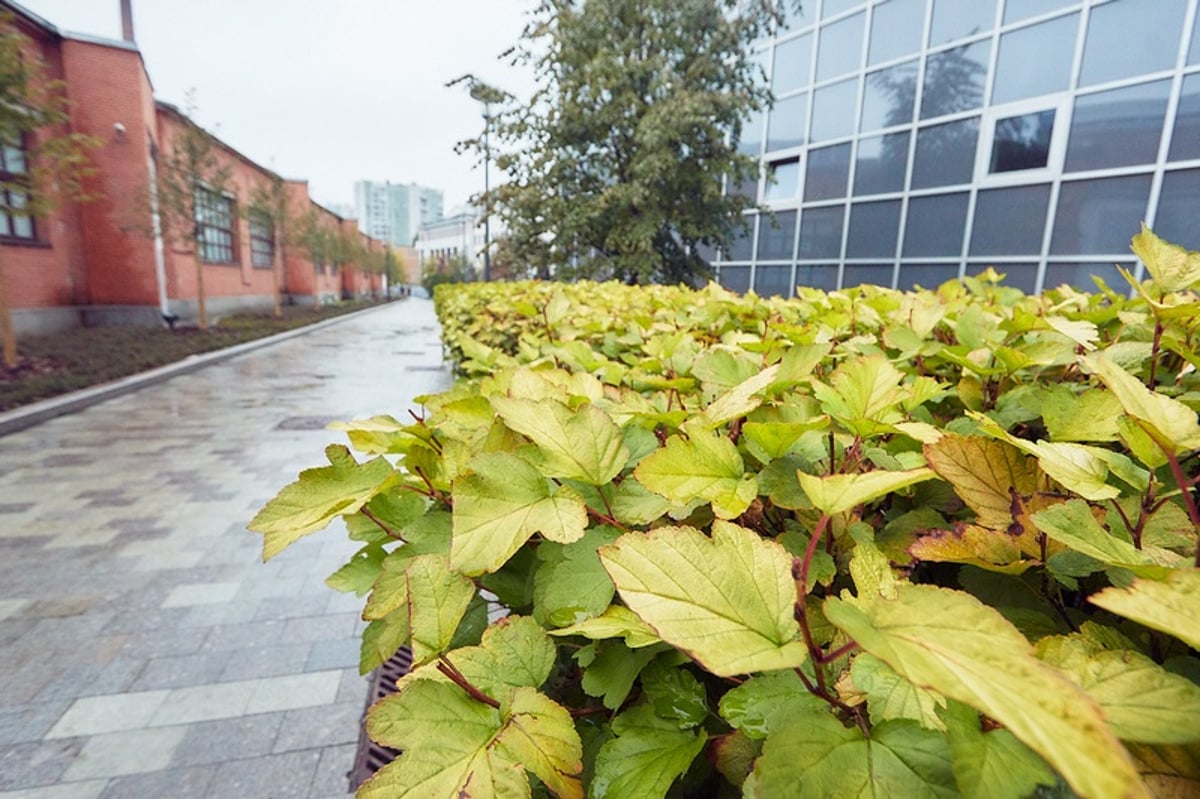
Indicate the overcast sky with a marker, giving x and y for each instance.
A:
(329, 90)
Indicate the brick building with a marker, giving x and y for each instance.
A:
(101, 262)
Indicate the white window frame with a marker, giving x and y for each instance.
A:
(1060, 103)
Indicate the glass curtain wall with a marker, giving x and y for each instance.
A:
(915, 141)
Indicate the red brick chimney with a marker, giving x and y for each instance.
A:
(127, 20)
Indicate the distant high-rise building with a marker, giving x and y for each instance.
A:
(344, 210)
(395, 211)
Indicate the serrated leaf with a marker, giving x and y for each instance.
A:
(735, 756)
(992, 764)
(675, 694)
(724, 368)
(726, 601)
(380, 640)
(377, 435)
(770, 440)
(1142, 701)
(647, 755)
(633, 503)
(578, 444)
(359, 573)
(1171, 267)
(1171, 423)
(952, 643)
(870, 568)
(558, 308)
(1073, 524)
(571, 585)
(735, 403)
(705, 466)
(501, 504)
(842, 492)
(862, 394)
(1080, 331)
(1077, 467)
(766, 703)
(890, 696)
(514, 652)
(611, 670)
(454, 746)
(616, 622)
(984, 472)
(320, 495)
(1088, 416)
(539, 734)
(817, 757)
(1171, 606)
(430, 593)
(973, 545)
(1171, 772)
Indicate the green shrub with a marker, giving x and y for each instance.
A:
(863, 543)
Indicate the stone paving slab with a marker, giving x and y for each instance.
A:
(145, 649)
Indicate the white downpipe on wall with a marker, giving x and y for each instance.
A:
(160, 267)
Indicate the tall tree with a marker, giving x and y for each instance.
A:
(191, 202)
(42, 162)
(270, 203)
(614, 166)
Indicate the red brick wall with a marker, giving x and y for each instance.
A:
(108, 87)
(49, 271)
(102, 252)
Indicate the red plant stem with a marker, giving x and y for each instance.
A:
(801, 612)
(837, 653)
(600, 517)
(810, 550)
(382, 526)
(433, 491)
(456, 677)
(1189, 501)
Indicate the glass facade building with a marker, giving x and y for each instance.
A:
(915, 141)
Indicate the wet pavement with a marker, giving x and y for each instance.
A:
(145, 649)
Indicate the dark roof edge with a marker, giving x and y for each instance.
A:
(30, 17)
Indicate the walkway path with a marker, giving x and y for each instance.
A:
(145, 649)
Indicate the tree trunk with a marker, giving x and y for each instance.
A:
(277, 269)
(6, 324)
(201, 309)
(278, 264)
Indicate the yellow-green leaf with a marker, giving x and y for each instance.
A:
(735, 403)
(616, 622)
(987, 548)
(1171, 606)
(841, 492)
(862, 394)
(1171, 267)
(430, 593)
(320, 495)
(726, 601)
(1169, 421)
(645, 757)
(455, 746)
(705, 466)
(954, 644)
(501, 504)
(579, 444)
(1073, 524)
(1142, 701)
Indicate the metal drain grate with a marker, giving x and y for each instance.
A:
(305, 422)
(370, 756)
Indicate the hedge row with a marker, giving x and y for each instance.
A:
(858, 543)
